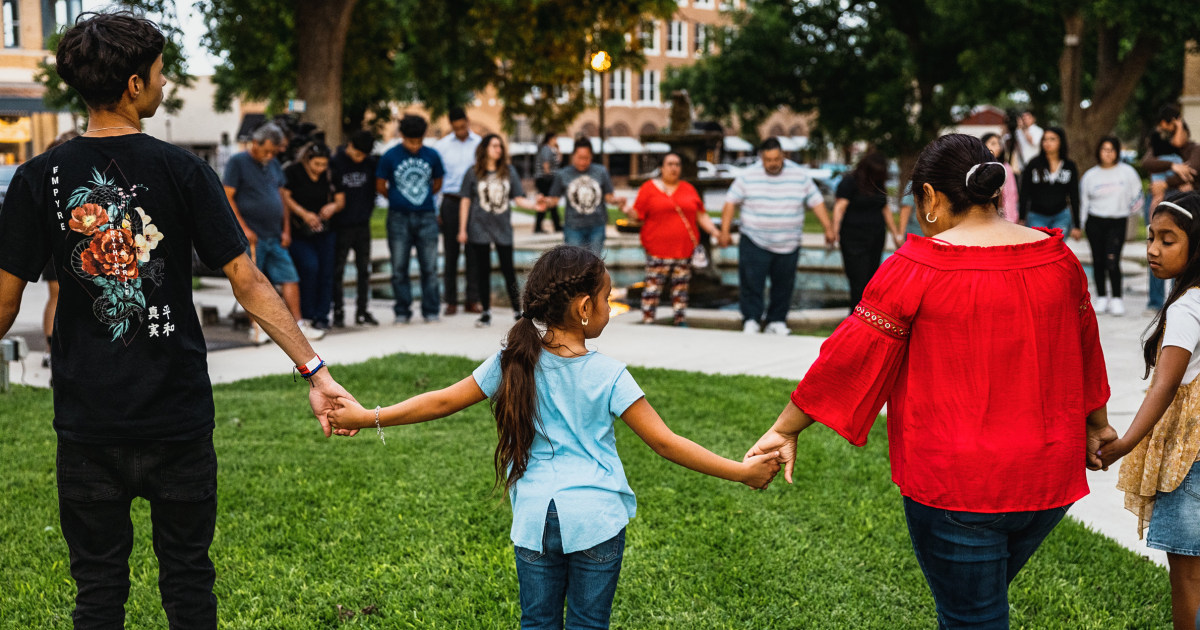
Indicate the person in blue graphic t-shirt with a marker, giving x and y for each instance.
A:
(410, 174)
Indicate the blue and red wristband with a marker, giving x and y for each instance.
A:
(309, 369)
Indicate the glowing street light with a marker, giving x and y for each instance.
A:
(601, 61)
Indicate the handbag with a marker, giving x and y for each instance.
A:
(699, 255)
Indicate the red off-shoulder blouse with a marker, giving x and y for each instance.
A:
(989, 360)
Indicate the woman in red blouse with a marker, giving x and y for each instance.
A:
(982, 342)
(669, 209)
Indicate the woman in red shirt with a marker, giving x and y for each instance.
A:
(982, 341)
(669, 209)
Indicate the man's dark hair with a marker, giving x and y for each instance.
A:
(362, 140)
(99, 54)
(582, 142)
(413, 126)
(1167, 113)
(457, 113)
(770, 144)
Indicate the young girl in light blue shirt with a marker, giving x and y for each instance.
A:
(555, 403)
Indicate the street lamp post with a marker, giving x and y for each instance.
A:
(601, 62)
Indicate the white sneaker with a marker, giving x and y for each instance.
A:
(1100, 305)
(1116, 307)
(777, 328)
(751, 327)
(310, 333)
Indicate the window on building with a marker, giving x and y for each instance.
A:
(591, 84)
(651, 37)
(618, 86)
(703, 4)
(681, 3)
(701, 39)
(648, 91)
(12, 24)
(677, 39)
(728, 5)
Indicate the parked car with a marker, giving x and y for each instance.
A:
(6, 175)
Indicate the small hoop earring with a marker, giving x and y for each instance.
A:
(929, 218)
(584, 321)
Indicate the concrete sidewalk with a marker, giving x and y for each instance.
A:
(707, 351)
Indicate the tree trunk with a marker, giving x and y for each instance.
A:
(321, 27)
(1114, 85)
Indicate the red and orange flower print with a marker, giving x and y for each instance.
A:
(86, 218)
(111, 253)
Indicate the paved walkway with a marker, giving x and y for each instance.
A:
(707, 351)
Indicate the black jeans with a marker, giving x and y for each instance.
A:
(356, 238)
(1107, 239)
(97, 484)
(482, 256)
(451, 248)
(862, 249)
(543, 187)
(755, 265)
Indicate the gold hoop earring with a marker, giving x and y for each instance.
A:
(584, 321)
(929, 218)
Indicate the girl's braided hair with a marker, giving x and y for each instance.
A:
(559, 276)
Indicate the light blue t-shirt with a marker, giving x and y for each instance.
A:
(573, 459)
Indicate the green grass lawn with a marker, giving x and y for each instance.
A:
(412, 531)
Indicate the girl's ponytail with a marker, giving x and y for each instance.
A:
(558, 276)
(515, 402)
(1189, 279)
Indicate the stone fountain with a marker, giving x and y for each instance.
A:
(692, 145)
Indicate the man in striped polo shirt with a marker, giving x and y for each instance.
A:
(772, 196)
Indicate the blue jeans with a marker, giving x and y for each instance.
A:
(755, 265)
(1158, 287)
(96, 485)
(1060, 220)
(275, 262)
(970, 558)
(314, 257)
(586, 580)
(406, 230)
(589, 237)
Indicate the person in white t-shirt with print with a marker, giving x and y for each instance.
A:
(772, 196)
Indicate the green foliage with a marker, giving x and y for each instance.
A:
(439, 54)
(412, 533)
(60, 96)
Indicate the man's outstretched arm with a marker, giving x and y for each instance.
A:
(256, 294)
(11, 288)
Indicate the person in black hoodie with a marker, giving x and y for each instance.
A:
(1050, 187)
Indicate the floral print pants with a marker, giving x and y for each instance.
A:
(660, 271)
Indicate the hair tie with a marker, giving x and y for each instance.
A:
(526, 315)
(975, 168)
(1175, 206)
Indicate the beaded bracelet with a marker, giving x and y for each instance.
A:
(378, 428)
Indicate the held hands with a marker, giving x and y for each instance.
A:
(1113, 450)
(1076, 234)
(898, 239)
(724, 240)
(1098, 439)
(327, 211)
(760, 470)
(312, 220)
(347, 414)
(781, 445)
(324, 395)
(830, 238)
(462, 236)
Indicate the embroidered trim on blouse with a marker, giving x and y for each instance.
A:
(1084, 305)
(881, 321)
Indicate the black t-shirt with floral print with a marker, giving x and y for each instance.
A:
(119, 217)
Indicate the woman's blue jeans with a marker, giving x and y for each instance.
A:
(1060, 220)
(314, 259)
(585, 580)
(969, 558)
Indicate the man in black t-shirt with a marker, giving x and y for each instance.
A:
(353, 171)
(118, 213)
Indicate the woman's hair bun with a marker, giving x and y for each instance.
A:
(984, 182)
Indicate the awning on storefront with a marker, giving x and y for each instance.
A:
(656, 147)
(736, 144)
(522, 148)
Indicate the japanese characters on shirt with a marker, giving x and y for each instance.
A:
(115, 254)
